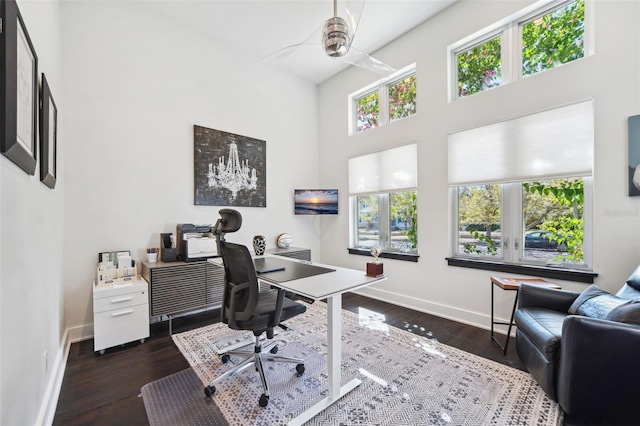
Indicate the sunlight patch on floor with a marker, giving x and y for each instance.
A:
(372, 320)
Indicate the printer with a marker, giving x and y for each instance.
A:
(195, 242)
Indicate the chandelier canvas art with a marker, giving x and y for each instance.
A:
(229, 169)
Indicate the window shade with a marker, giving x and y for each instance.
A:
(391, 170)
(549, 144)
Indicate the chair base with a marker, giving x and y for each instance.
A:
(255, 358)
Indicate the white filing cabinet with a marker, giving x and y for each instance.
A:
(120, 313)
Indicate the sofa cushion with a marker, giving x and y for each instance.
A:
(595, 302)
(543, 327)
(634, 279)
(628, 292)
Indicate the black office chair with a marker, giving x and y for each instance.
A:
(245, 307)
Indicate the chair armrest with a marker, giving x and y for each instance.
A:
(599, 370)
(531, 296)
(231, 312)
(279, 304)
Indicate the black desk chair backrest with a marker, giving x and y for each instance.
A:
(241, 284)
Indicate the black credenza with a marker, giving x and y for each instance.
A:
(179, 287)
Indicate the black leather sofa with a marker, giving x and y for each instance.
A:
(589, 365)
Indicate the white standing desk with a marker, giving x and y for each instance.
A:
(328, 286)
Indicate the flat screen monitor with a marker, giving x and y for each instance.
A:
(316, 201)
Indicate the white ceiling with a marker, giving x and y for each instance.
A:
(257, 28)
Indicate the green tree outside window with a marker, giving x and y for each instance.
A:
(402, 98)
(479, 68)
(368, 109)
(553, 39)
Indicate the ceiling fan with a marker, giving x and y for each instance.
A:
(336, 41)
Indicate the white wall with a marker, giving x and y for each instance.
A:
(611, 77)
(135, 84)
(31, 242)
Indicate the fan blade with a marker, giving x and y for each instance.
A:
(354, 9)
(280, 54)
(362, 60)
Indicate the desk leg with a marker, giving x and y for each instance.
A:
(334, 363)
(334, 344)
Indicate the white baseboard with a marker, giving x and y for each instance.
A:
(443, 311)
(52, 393)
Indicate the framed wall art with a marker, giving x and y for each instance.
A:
(634, 155)
(18, 90)
(229, 169)
(48, 136)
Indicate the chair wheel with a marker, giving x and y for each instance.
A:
(264, 400)
(274, 350)
(300, 369)
(224, 358)
(209, 391)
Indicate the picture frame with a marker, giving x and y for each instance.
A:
(18, 90)
(634, 155)
(229, 169)
(48, 135)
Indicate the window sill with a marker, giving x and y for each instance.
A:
(408, 257)
(537, 271)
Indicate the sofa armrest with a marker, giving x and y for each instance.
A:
(599, 370)
(531, 296)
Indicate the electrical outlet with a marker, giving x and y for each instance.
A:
(45, 357)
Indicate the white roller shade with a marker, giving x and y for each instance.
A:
(391, 170)
(549, 144)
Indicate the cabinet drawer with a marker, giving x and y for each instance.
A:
(119, 301)
(120, 326)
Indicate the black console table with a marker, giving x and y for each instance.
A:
(293, 252)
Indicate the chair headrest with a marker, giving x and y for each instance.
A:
(230, 221)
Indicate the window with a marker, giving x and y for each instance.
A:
(382, 188)
(367, 110)
(532, 41)
(385, 101)
(479, 68)
(402, 98)
(552, 39)
(545, 226)
(522, 189)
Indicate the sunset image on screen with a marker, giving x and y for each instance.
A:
(316, 201)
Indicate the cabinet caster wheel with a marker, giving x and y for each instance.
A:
(209, 391)
(225, 358)
(142, 340)
(101, 352)
(274, 350)
(264, 400)
(300, 369)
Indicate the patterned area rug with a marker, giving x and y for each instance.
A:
(406, 379)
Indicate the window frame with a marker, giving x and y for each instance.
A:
(384, 218)
(476, 42)
(382, 88)
(510, 30)
(512, 226)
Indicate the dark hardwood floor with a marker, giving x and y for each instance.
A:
(104, 389)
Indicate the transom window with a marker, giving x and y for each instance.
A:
(529, 42)
(383, 102)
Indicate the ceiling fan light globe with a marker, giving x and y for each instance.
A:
(336, 39)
